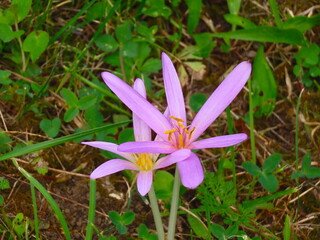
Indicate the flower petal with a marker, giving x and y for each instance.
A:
(173, 89)
(146, 147)
(191, 171)
(144, 182)
(111, 147)
(218, 142)
(220, 99)
(173, 158)
(112, 166)
(152, 116)
(142, 131)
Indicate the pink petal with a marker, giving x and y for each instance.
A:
(111, 147)
(173, 89)
(191, 171)
(146, 147)
(144, 182)
(142, 132)
(220, 99)
(219, 142)
(152, 116)
(112, 166)
(173, 158)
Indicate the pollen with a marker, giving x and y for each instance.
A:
(145, 162)
(177, 119)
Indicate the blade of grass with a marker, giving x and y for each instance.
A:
(57, 141)
(48, 197)
(252, 136)
(92, 208)
(275, 11)
(35, 210)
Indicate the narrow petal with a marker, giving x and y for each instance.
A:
(191, 171)
(112, 166)
(218, 142)
(146, 147)
(142, 131)
(173, 89)
(144, 182)
(220, 99)
(173, 158)
(140, 106)
(111, 147)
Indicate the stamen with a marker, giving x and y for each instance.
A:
(177, 119)
(190, 134)
(181, 125)
(169, 132)
(186, 131)
(180, 141)
(145, 162)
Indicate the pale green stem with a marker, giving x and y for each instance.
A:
(156, 213)
(174, 206)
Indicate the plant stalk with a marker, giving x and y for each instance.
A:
(156, 213)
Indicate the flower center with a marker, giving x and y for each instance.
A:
(179, 134)
(145, 162)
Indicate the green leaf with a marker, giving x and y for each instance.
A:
(19, 224)
(302, 23)
(51, 127)
(97, 10)
(287, 230)
(57, 141)
(115, 217)
(128, 218)
(234, 6)
(275, 11)
(21, 8)
(4, 183)
(163, 184)
(312, 172)
(130, 49)
(198, 227)
(6, 33)
(263, 85)
(86, 102)
(107, 43)
(152, 65)
(204, 44)
(143, 233)
(1, 200)
(126, 135)
(70, 97)
(239, 21)
(7, 16)
(4, 77)
(36, 43)
(194, 7)
(218, 231)
(269, 182)
(251, 168)
(271, 162)
(266, 34)
(123, 32)
(196, 101)
(70, 114)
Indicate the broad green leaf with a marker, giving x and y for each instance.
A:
(269, 182)
(312, 172)
(128, 218)
(19, 224)
(126, 135)
(51, 127)
(5, 141)
(70, 114)
(86, 102)
(130, 49)
(4, 77)
(7, 16)
(251, 168)
(146, 32)
(239, 21)
(302, 23)
(4, 183)
(266, 34)
(234, 6)
(218, 231)
(271, 162)
(194, 7)
(115, 217)
(107, 43)
(263, 85)
(163, 184)
(157, 8)
(144, 234)
(6, 33)
(97, 10)
(204, 44)
(36, 43)
(1, 200)
(57, 141)
(306, 161)
(198, 227)
(152, 65)
(196, 101)
(21, 8)
(70, 97)
(123, 32)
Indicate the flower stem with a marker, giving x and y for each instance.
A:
(156, 213)
(174, 205)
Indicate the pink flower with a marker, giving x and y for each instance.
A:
(172, 128)
(145, 163)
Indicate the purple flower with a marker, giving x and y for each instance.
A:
(172, 127)
(145, 163)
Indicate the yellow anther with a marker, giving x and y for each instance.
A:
(145, 162)
(170, 131)
(180, 141)
(181, 125)
(186, 131)
(192, 130)
(177, 119)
